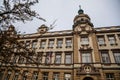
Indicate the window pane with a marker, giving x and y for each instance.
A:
(51, 43)
(25, 74)
(56, 76)
(35, 75)
(16, 75)
(34, 43)
(111, 39)
(8, 75)
(68, 58)
(86, 57)
(84, 41)
(1, 74)
(105, 57)
(58, 59)
(59, 43)
(67, 76)
(117, 57)
(48, 58)
(43, 43)
(45, 76)
(110, 76)
(101, 41)
(68, 42)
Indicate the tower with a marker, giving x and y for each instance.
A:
(85, 45)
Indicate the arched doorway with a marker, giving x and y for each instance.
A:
(88, 78)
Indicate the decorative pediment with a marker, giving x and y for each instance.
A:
(87, 69)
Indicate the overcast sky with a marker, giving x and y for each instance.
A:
(103, 13)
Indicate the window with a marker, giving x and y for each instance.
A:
(51, 43)
(43, 43)
(25, 74)
(84, 41)
(27, 44)
(110, 76)
(39, 57)
(58, 58)
(30, 59)
(16, 75)
(48, 59)
(68, 43)
(34, 43)
(15, 58)
(111, 40)
(1, 74)
(68, 58)
(8, 75)
(56, 76)
(45, 76)
(105, 57)
(59, 43)
(67, 76)
(21, 59)
(86, 57)
(117, 56)
(35, 75)
(101, 40)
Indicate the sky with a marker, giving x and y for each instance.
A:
(103, 13)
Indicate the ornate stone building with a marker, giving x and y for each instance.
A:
(83, 53)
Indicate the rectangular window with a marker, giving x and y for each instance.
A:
(8, 75)
(105, 57)
(58, 58)
(15, 59)
(84, 41)
(67, 76)
(117, 56)
(59, 43)
(16, 75)
(45, 76)
(51, 44)
(101, 40)
(86, 57)
(68, 58)
(110, 76)
(27, 44)
(21, 59)
(25, 74)
(68, 43)
(43, 43)
(39, 57)
(48, 59)
(112, 40)
(56, 76)
(35, 75)
(1, 74)
(34, 43)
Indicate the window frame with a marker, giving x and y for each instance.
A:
(87, 58)
(110, 76)
(84, 40)
(58, 56)
(104, 59)
(68, 42)
(70, 58)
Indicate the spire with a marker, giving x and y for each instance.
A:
(80, 11)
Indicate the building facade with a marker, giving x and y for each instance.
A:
(83, 53)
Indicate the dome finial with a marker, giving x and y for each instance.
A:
(80, 11)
